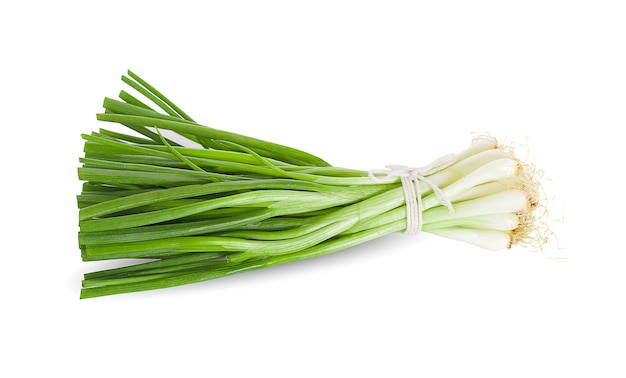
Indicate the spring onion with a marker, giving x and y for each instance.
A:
(235, 203)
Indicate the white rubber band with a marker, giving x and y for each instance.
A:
(410, 179)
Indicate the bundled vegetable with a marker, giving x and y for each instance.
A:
(238, 203)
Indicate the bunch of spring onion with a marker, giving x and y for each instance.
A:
(238, 203)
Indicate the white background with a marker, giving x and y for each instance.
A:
(362, 84)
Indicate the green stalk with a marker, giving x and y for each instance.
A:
(223, 271)
(287, 154)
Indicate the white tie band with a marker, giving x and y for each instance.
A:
(410, 179)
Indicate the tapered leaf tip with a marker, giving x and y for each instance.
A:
(132, 75)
